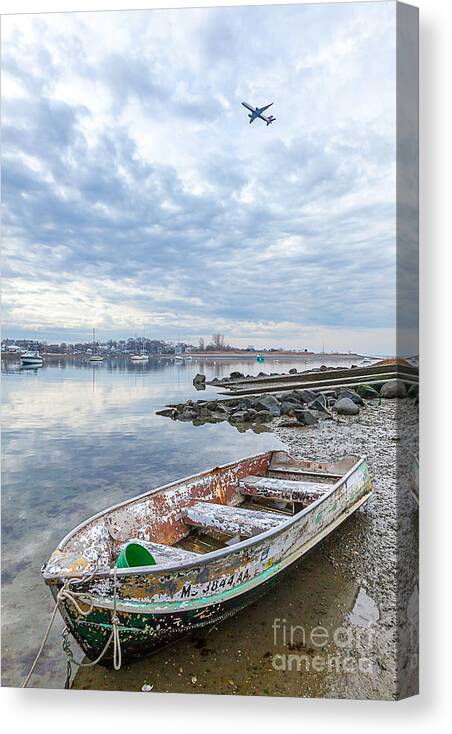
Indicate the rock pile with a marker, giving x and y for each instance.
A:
(300, 407)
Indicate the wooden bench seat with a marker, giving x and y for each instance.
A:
(278, 469)
(282, 489)
(230, 520)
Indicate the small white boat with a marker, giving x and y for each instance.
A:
(139, 357)
(31, 357)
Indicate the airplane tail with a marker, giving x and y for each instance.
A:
(270, 120)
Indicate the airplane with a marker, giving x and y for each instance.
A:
(257, 112)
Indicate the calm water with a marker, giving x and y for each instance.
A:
(78, 438)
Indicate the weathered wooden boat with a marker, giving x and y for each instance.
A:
(220, 539)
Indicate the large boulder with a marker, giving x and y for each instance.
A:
(346, 392)
(305, 417)
(237, 376)
(393, 389)
(367, 392)
(270, 403)
(346, 406)
(293, 371)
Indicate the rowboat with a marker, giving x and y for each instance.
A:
(219, 540)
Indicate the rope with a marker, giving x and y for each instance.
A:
(65, 594)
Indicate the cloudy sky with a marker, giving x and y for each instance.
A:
(138, 199)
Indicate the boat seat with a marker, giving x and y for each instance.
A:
(230, 520)
(163, 553)
(282, 489)
(275, 471)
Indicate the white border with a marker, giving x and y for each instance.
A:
(40, 710)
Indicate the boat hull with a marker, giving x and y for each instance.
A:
(28, 361)
(156, 608)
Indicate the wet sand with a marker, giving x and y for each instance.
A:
(333, 625)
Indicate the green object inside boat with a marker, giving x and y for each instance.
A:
(135, 554)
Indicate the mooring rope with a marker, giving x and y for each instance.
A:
(65, 594)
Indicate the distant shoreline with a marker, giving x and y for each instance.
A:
(273, 355)
(307, 356)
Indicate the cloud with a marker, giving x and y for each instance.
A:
(137, 195)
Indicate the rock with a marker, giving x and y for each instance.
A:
(237, 376)
(318, 404)
(263, 416)
(251, 414)
(346, 392)
(293, 371)
(215, 380)
(262, 374)
(307, 396)
(270, 403)
(245, 403)
(393, 389)
(413, 391)
(288, 407)
(240, 416)
(346, 406)
(188, 414)
(323, 367)
(168, 412)
(199, 379)
(293, 396)
(367, 392)
(304, 417)
(220, 408)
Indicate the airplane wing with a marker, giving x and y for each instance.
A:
(262, 109)
(248, 106)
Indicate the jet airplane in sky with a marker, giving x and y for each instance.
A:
(256, 112)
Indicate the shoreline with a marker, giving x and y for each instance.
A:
(202, 356)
